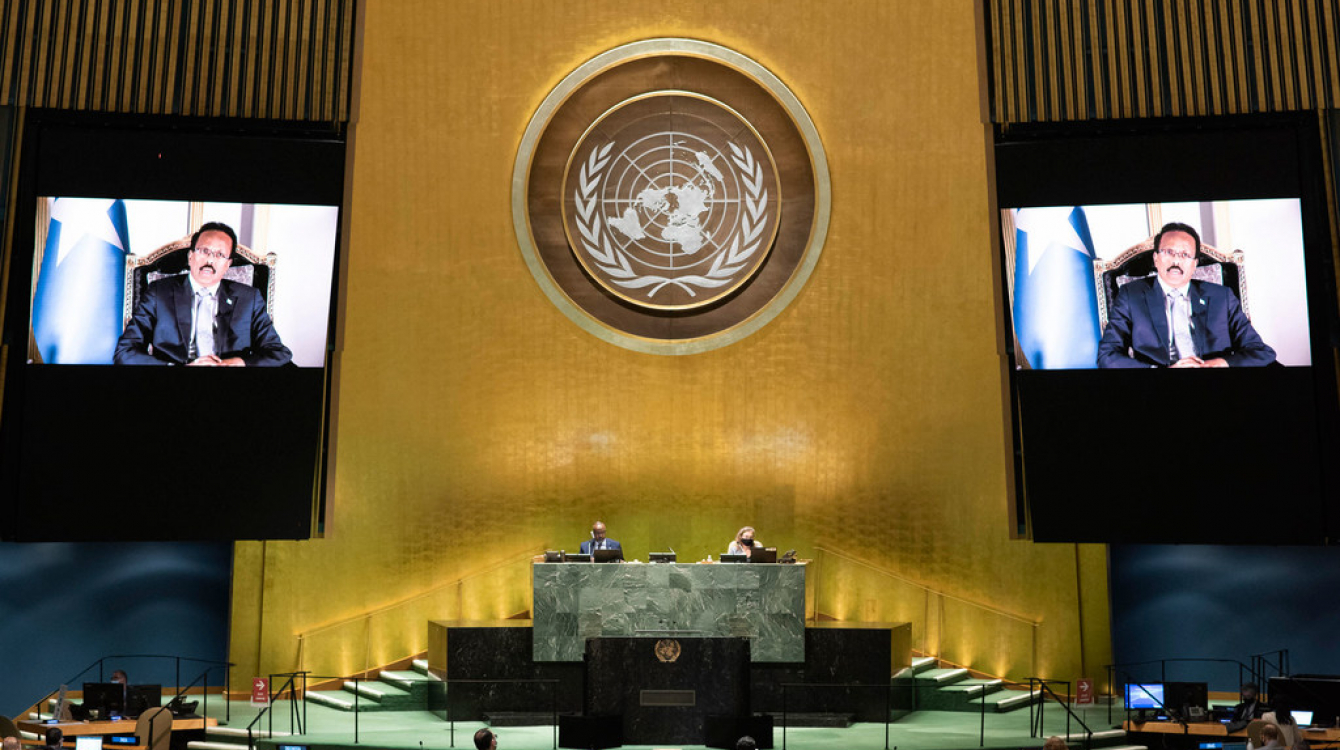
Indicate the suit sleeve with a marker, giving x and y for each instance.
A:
(1114, 347)
(266, 348)
(1248, 348)
(133, 346)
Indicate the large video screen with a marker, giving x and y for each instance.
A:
(1167, 294)
(210, 250)
(102, 267)
(1077, 268)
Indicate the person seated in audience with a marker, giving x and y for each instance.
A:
(11, 743)
(119, 675)
(1054, 743)
(486, 740)
(1270, 734)
(743, 543)
(54, 738)
(746, 743)
(1281, 716)
(1250, 708)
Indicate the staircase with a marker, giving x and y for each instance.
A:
(391, 691)
(955, 689)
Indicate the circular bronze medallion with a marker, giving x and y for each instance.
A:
(667, 650)
(671, 196)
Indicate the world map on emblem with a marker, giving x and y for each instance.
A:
(671, 201)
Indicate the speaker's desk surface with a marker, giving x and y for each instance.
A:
(577, 601)
(122, 726)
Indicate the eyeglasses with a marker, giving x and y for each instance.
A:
(215, 254)
(1178, 256)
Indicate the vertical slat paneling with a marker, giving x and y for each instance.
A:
(1095, 59)
(272, 59)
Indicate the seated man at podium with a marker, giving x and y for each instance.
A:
(598, 540)
(743, 543)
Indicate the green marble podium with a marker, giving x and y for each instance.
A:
(577, 601)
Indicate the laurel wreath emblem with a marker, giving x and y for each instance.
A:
(612, 260)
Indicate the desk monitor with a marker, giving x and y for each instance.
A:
(88, 742)
(607, 555)
(108, 698)
(734, 558)
(1144, 695)
(1304, 718)
(1182, 697)
(764, 555)
(576, 557)
(141, 698)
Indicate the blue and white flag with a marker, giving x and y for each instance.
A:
(81, 287)
(1055, 303)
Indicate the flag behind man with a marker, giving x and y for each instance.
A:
(1055, 303)
(77, 310)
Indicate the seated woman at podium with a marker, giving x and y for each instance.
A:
(744, 542)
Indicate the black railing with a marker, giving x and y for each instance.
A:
(553, 700)
(213, 664)
(1036, 720)
(1255, 672)
(294, 718)
(888, 689)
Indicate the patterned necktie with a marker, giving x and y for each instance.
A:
(204, 325)
(1182, 345)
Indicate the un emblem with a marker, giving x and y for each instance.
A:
(672, 201)
(671, 196)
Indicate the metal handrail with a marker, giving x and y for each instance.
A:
(1254, 671)
(888, 700)
(553, 700)
(1044, 688)
(100, 663)
(288, 685)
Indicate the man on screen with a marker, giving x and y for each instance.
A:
(200, 318)
(1172, 321)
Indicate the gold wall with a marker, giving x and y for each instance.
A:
(477, 424)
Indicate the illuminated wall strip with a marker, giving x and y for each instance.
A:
(270, 59)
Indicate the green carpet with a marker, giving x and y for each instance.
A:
(420, 730)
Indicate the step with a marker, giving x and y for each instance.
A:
(941, 677)
(338, 700)
(973, 687)
(377, 691)
(519, 718)
(817, 720)
(241, 732)
(1007, 700)
(923, 663)
(207, 745)
(405, 680)
(1100, 736)
(420, 666)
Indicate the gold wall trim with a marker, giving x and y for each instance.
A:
(268, 59)
(1103, 59)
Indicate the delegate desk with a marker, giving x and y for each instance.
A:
(764, 602)
(1199, 731)
(124, 726)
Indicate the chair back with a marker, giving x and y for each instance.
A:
(153, 730)
(7, 728)
(1137, 262)
(248, 267)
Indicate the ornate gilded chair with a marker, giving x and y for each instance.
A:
(1137, 262)
(248, 267)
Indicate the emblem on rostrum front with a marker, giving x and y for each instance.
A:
(667, 650)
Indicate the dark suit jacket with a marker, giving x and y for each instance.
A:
(163, 319)
(1137, 328)
(609, 544)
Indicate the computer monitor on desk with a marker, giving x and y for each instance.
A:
(1144, 696)
(106, 698)
(141, 698)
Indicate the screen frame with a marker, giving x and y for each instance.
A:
(286, 431)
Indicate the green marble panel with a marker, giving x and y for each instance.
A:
(576, 601)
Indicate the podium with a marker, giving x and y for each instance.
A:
(666, 688)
